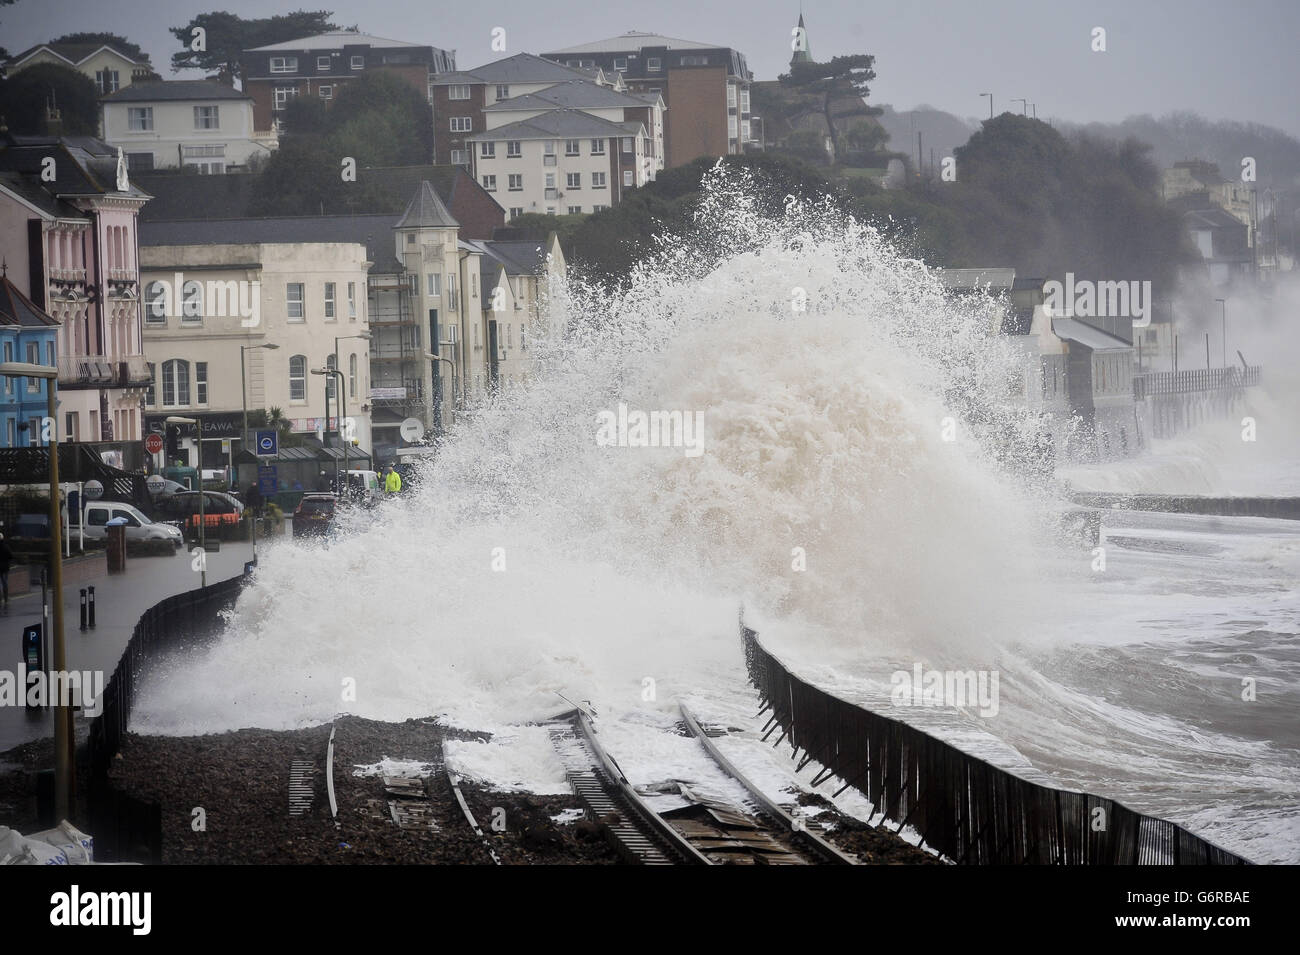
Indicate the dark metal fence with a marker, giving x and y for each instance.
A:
(189, 615)
(1195, 379)
(968, 810)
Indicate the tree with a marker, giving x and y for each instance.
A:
(227, 35)
(25, 95)
(843, 76)
(119, 43)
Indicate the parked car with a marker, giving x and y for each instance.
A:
(138, 527)
(314, 514)
(183, 506)
(31, 526)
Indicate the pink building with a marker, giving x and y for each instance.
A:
(68, 235)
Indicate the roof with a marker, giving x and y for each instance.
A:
(336, 40)
(375, 232)
(635, 40)
(520, 68)
(968, 280)
(1212, 219)
(17, 309)
(74, 53)
(574, 93)
(29, 189)
(557, 123)
(1073, 330)
(174, 90)
(83, 165)
(518, 257)
(427, 211)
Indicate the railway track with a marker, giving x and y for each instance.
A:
(704, 831)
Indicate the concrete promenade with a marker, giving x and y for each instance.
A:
(120, 600)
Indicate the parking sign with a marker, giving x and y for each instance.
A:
(267, 444)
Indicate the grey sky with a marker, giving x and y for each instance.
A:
(1224, 61)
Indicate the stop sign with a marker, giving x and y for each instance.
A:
(154, 443)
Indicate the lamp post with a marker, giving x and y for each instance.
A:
(62, 712)
(432, 357)
(365, 336)
(990, 96)
(342, 411)
(243, 440)
(1223, 317)
(203, 561)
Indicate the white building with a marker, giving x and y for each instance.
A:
(200, 124)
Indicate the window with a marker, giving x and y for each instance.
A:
(192, 303)
(451, 291)
(573, 180)
(13, 436)
(503, 92)
(627, 177)
(620, 63)
(176, 383)
(744, 100)
(352, 376)
(550, 210)
(415, 282)
(352, 301)
(322, 62)
(283, 94)
(460, 157)
(516, 182)
(745, 130)
(49, 353)
(293, 300)
(598, 180)
(201, 382)
(331, 380)
(9, 382)
(139, 118)
(627, 144)
(33, 358)
(326, 92)
(550, 180)
(487, 150)
(433, 283)
(150, 395)
(205, 117)
(490, 183)
(731, 95)
(457, 92)
(598, 147)
(575, 210)
(732, 128)
(298, 378)
(329, 301)
(139, 162)
(571, 147)
(34, 431)
(284, 64)
(155, 311)
(358, 63)
(516, 211)
(653, 64)
(462, 124)
(70, 426)
(107, 81)
(513, 149)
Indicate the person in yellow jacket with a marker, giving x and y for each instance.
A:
(392, 480)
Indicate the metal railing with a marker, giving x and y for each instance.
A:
(968, 810)
(1193, 380)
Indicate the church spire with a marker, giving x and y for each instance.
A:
(802, 53)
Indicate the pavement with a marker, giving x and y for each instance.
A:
(120, 601)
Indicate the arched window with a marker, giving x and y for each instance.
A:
(155, 309)
(352, 376)
(298, 378)
(192, 307)
(330, 392)
(176, 383)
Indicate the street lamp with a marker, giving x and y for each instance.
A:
(62, 712)
(243, 439)
(203, 561)
(1223, 317)
(365, 336)
(342, 412)
(990, 96)
(432, 357)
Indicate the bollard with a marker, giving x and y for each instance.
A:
(91, 608)
(83, 609)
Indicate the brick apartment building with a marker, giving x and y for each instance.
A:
(319, 65)
(705, 88)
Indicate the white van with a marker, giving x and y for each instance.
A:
(97, 514)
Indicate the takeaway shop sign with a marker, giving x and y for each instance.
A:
(218, 425)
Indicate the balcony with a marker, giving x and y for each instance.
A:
(102, 371)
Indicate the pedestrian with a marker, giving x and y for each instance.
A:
(255, 499)
(6, 559)
(392, 480)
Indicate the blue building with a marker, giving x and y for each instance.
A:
(26, 335)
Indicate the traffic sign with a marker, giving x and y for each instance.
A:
(93, 490)
(155, 483)
(154, 443)
(267, 443)
(267, 480)
(412, 430)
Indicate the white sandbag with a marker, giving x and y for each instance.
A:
(76, 846)
(11, 846)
